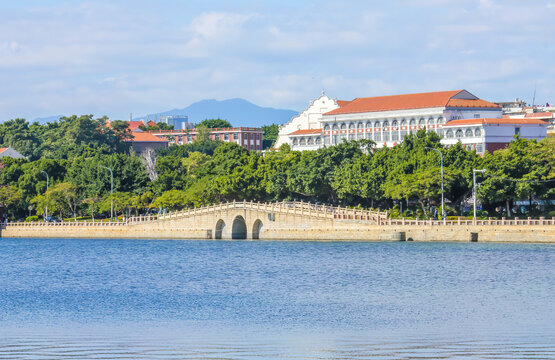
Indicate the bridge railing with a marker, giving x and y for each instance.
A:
(292, 207)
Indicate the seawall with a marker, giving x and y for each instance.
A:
(323, 231)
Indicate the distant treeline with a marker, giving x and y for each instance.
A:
(73, 151)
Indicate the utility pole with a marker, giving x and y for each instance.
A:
(111, 191)
(47, 180)
(442, 196)
(474, 171)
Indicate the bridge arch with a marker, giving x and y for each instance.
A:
(220, 226)
(239, 228)
(256, 229)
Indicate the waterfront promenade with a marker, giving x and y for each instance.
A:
(292, 221)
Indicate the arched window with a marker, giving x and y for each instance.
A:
(368, 125)
(360, 125)
(468, 133)
(343, 126)
(310, 141)
(459, 133)
(403, 122)
(440, 120)
(377, 124)
(302, 141)
(477, 132)
(335, 127)
(326, 128)
(449, 134)
(395, 125)
(318, 140)
(431, 121)
(385, 124)
(351, 126)
(421, 122)
(295, 141)
(412, 122)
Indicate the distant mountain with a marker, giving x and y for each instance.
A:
(238, 112)
(44, 120)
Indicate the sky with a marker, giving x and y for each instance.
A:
(134, 56)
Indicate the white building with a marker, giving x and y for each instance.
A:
(308, 119)
(492, 134)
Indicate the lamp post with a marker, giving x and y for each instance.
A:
(474, 171)
(111, 191)
(442, 197)
(47, 181)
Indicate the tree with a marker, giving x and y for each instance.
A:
(270, 135)
(171, 200)
(9, 196)
(214, 123)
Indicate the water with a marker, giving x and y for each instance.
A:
(107, 299)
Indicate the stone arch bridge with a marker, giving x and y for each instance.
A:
(250, 220)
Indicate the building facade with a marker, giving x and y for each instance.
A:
(386, 120)
(249, 138)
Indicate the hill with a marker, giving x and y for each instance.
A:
(238, 112)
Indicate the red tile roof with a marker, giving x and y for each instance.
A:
(478, 103)
(3, 149)
(501, 121)
(307, 132)
(546, 114)
(408, 101)
(342, 103)
(134, 124)
(145, 137)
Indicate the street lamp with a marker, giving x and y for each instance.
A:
(442, 197)
(111, 191)
(47, 180)
(474, 171)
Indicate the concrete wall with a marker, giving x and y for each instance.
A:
(282, 226)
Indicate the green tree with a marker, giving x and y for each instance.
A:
(214, 123)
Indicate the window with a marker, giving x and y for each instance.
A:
(394, 136)
(369, 136)
(226, 137)
(440, 120)
(385, 124)
(412, 122)
(360, 125)
(479, 148)
(302, 141)
(459, 133)
(377, 124)
(309, 141)
(403, 134)
(449, 134)
(351, 136)
(343, 126)
(517, 131)
(235, 136)
(326, 128)
(468, 133)
(257, 136)
(376, 136)
(326, 140)
(351, 126)
(252, 147)
(386, 136)
(440, 132)
(403, 122)
(395, 125)
(360, 136)
(421, 122)
(477, 132)
(335, 127)
(431, 121)
(476, 116)
(318, 140)
(368, 125)
(295, 141)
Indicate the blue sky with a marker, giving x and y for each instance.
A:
(116, 57)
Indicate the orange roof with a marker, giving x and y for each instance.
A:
(546, 114)
(408, 101)
(342, 103)
(145, 137)
(3, 149)
(502, 121)
(307, 132)
(478, 103)
(134, 124)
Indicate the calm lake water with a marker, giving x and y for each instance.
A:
(132, 299)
